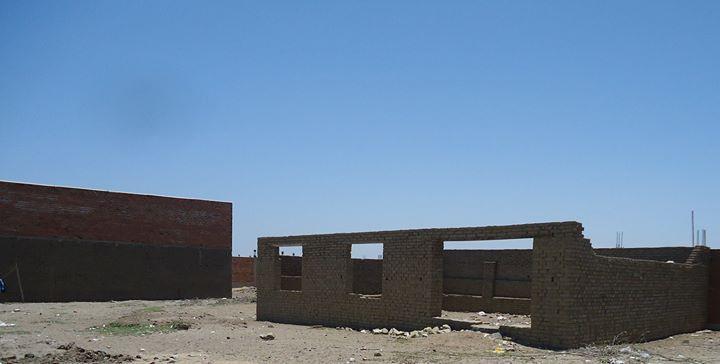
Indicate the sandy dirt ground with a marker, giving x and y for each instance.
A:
(225, 331)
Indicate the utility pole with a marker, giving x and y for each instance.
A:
(692, 226)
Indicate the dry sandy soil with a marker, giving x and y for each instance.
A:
(225, 330)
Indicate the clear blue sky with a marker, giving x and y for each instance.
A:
(364, 115)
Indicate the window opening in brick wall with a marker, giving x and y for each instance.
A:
(290, 268)
(488, 281)
(367, 269)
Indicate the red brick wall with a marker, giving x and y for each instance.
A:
(58, 212)
(243, 271)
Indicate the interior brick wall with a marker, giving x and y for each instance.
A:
(468, 303)
(676, 254)
(291, 265)
(367, 276)
(463, 273)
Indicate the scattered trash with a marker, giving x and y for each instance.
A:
(482, 313)
(411, 334)
(631, 351)
(498, 350)
(5, 324)
(181, 326)
(268, 336)
(495, 336)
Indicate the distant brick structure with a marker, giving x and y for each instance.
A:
(243, 271)
(74, 244)
(576, 296)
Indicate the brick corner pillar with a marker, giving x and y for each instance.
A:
(714, 290)
(267, 278)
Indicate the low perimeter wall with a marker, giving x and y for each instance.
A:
(67, 244)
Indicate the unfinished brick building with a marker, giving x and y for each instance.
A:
(574, 295)
(69, 244)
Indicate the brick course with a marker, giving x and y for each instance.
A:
(71, 213)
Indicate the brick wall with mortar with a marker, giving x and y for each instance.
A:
(186, 238)
(578, 297)
(243, 271)
(714, 291)
(463, 277)
(71, 213)
(367, 276)
(367, 273)
(412, 275)
(677, 254)
(463, 271)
